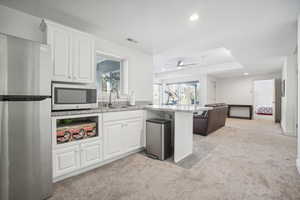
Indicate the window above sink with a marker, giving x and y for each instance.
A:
(111, 73)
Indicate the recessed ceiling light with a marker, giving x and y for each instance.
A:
(179, 67)
(228, 52)
(246, 73)
(194, 17)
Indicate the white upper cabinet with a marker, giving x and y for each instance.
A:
(83, 47)
(73, 53)
(60, 41)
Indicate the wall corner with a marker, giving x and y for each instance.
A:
(298, 164)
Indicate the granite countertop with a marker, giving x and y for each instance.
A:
(97, 110)
(177, 108)
(100, 109)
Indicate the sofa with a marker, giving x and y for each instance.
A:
(210, 121)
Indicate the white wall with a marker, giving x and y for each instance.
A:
(234, 90)
(211, 90)
(139, 71)
(23, 25)
(289, 101)
(263, 92)
(239, 90)
(298, 159)
(19, 24)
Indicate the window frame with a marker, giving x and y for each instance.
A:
(123, 75)
(160, 93)
(197, 98)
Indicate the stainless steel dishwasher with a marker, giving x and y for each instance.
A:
(158, 138)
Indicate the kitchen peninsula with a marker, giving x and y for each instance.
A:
(182, 125)
(113, 133)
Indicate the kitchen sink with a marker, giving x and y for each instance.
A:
(117, 106)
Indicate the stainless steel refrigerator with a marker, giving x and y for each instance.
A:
(25, 123)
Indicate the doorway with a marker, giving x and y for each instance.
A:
(264, 99)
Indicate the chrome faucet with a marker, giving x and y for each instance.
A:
(111, 91)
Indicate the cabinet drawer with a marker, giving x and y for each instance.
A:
(91, 153)
(66, 160)
(123, 115)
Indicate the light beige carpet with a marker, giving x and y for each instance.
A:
(250, 160)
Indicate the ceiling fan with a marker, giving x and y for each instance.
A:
(181, 64)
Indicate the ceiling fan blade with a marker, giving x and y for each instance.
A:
(169, 65)
(191, 64)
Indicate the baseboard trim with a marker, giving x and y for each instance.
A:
(298, 165)
(104, 162)
(288, 132)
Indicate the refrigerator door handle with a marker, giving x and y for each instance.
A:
(22, 98)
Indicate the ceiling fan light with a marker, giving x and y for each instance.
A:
(180, 63)
(194, 17)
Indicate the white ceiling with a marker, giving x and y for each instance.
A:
(195, 62)
(258, 33)
(192, 58)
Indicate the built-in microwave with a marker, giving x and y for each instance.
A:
(73, 96)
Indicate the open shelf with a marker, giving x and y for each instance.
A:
(74, 129)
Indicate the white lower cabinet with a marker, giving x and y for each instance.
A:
(123, 132)
(66, 160)
(90, 153)
(113, 139)
(133, 132)
(75, 157)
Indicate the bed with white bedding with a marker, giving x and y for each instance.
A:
(264, 110)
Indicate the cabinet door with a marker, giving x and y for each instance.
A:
(91, 153)
(60, 41)
(133, 132)
(83, 58)
(112, 139)
(65, 160)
